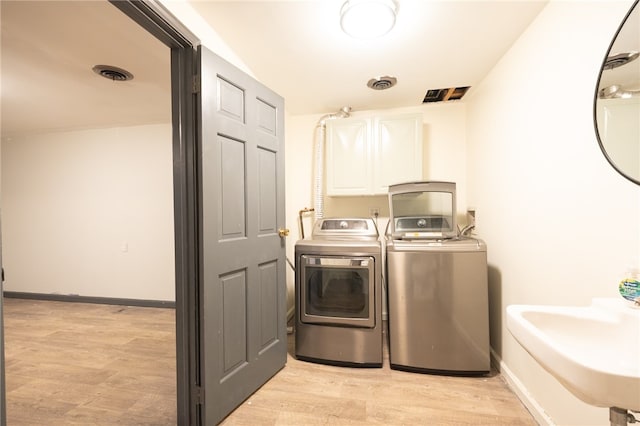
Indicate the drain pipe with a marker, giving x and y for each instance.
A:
(318, 179)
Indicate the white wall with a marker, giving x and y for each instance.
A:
(444, 155)
(560, 224)
(187, 15)
(90, 213)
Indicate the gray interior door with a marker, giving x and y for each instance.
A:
(243, 289)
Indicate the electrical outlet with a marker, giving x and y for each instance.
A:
(374, 211)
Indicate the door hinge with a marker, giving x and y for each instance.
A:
(198, 395)
(195, 84)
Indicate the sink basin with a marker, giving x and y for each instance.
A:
(594, 351)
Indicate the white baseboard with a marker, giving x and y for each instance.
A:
(521, 392)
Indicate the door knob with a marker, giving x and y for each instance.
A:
(283, 232)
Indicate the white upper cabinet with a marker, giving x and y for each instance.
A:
(366, 155)
(349, 156)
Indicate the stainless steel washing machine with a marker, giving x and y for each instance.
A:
(438, 284)
(339, 294)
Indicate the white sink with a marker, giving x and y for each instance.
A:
(594, 351)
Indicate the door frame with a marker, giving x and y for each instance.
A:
(156, 19)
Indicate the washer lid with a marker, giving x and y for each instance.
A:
(423, 210)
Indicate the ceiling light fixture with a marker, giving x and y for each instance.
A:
(368, 19)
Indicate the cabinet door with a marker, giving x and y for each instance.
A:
(397, 151)
(348, 157)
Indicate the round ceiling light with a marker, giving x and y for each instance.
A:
(368, 19)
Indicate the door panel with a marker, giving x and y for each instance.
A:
(267, 191)
(234, 326)
(243, 290)
(268, 305)
(233, 207)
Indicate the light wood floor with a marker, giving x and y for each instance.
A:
(86, 364)
(89, 364)
(305, 393)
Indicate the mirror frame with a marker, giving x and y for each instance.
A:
(595, 98)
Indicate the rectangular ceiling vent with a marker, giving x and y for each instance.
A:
(443, 95)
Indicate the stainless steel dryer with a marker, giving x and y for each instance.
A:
(339, 294)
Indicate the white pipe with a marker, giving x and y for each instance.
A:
(318, 178)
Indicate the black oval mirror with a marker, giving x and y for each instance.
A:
(617, 99)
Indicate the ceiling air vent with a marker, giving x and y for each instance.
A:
(382, 83)
(442, 95)
(113, 73)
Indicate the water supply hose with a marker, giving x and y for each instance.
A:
(300, 213)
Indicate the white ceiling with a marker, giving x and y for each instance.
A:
(48, 51)
(295, 47)
(298, 49)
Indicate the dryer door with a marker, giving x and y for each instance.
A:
(337, 290)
